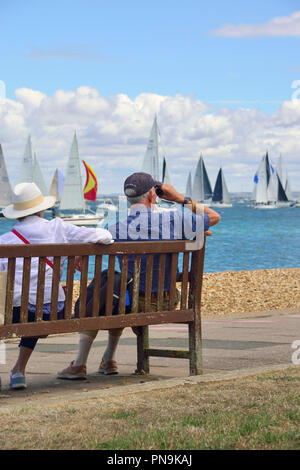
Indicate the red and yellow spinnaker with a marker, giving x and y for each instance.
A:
(91, 184)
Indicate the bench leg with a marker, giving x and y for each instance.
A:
(142, 333)
(195, 348)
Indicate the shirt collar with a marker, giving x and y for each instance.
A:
(31, 219)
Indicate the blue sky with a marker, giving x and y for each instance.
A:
(163, 47)
(105, 68)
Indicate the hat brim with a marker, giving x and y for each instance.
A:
(10, 213)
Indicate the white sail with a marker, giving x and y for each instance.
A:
(26, 170)
(72, 196)
(279, 168)
(57, 184)
(6, 192)
(188, 189)
(226, 197)
(38, 177)
(272, 190)
(201, 191)
(150, 163)
(166, 178)
(288, 189)
(261, 196)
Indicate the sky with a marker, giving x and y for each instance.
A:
(222, 76)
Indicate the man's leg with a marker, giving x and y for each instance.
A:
(77, 369)
(86, 340)
(108, 364)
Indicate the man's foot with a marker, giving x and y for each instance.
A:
(73, 372)
(17, 381)
(108, 368)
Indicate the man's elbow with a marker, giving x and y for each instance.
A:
(214, 219)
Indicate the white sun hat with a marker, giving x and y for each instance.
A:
(27, 199)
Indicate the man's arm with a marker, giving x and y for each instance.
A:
(170, 194)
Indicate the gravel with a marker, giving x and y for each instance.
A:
(232, 292)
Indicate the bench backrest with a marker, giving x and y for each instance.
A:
(190, 285)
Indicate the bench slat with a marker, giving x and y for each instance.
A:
(136, 284)
(69, 286)
(9, 303)
(83, 249)
(148, 287)
(124, 274)
(55, 287)
(40, 288)
(25, 289)
(174, 265)
(102, 323)
(185, 279)
(83, 286)
(161, 280)
(110, 285)
(97, 284)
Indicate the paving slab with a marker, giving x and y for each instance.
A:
(230, 344)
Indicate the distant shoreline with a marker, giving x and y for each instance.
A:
(234, 292)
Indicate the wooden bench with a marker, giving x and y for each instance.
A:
(188, 311)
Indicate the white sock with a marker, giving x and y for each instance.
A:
(111, 347)
(85, 344)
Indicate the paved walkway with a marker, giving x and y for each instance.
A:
(230, 344)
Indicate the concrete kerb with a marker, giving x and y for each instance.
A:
(122, 390)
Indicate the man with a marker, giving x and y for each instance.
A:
(144, 223)
(28, 207)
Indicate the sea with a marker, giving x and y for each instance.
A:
(244, 239)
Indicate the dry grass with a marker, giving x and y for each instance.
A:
(261, 412)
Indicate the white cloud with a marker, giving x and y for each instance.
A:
(113, 134)
(279, 26)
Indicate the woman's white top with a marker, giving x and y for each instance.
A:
(38, 230)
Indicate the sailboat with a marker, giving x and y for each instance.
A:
(30, 170)
(220, 197)
(285, 197)
(6, 192)
(151, 166)
(163, 205)
(105, 205)
(37, 176)
(263, 193)
(201, 191)
(268, 192)
(288, 189)
(73, 197)
(57, 185)
(151, 161)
